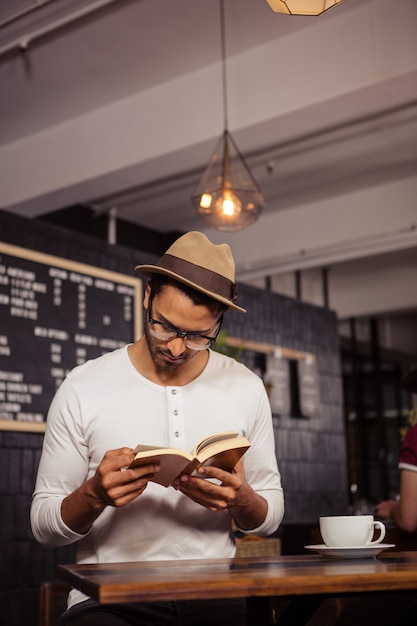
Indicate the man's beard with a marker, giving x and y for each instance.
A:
(157, 354)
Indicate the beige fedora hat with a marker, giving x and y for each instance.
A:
(195, 261)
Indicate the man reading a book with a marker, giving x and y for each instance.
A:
(167, 389)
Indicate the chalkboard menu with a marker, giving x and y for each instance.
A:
(55, 314)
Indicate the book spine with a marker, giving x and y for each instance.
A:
(192, 466)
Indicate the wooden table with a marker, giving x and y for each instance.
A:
(304, 579)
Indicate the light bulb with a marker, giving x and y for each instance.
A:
(205, 200)
(228, 204)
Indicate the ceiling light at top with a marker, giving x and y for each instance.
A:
(302, 7)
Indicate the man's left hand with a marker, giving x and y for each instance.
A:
(227, 490)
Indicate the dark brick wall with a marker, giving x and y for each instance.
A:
(24, 565)
(311, 452)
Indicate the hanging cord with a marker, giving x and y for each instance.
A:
(223, 48)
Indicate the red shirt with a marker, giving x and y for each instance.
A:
(408, 452)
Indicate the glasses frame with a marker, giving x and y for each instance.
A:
(176, 332)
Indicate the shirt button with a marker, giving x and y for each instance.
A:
(173, 391)
(175, 412)
(176, 433)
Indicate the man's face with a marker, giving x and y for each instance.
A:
(175, 309)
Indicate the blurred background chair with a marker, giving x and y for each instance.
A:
(53, 602)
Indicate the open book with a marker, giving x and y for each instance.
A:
(222, 450)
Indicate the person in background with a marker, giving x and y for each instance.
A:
(403, 512)
(167, 389)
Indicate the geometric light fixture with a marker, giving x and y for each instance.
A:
(227, 196)
(302, 7)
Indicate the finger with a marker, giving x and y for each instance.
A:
(115, 459)
(122, 493)
(210, 495)
(221, 477)
(111, 483)
(142, 471)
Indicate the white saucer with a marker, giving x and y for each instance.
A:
(359, 552)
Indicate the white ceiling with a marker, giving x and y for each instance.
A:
(127, 46)
(122, 106)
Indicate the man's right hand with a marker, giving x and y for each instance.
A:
(113, 484)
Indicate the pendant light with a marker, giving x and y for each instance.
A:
(227, 196)
(302, 7)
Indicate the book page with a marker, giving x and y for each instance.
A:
(207, 441)
(143, 448)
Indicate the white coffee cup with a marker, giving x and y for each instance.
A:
(347, 531)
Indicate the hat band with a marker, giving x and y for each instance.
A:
(200, 276)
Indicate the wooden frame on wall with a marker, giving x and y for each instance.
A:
(55, 313)
(269, 348)
(291, 377)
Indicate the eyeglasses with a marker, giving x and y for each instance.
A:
(167, 332)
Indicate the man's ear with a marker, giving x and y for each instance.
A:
(147, 296)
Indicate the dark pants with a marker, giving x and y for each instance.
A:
(185, 613)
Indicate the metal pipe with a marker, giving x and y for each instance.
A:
(22, 42)
(297, 276)
(112, 226)
(401, 239)
(325, 285)
(25, 11)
